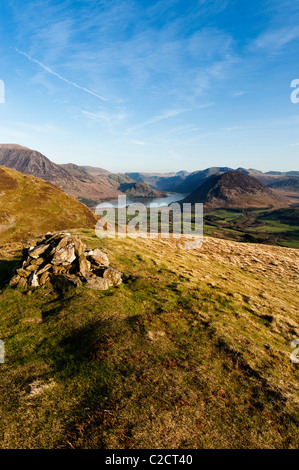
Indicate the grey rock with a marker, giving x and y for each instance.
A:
(33, 280)
(98, 283)
(14, 280)
(113, 275)
(62, 260)
(23, 283)
(62, 243)
(23, 272)
(44, 278)
(99, 257)
(84, 265)
(36, 251)
(65, 255)
(32, 267)
(79, 246)
(44, 269)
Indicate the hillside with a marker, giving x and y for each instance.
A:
(289, 184)
(95, 171)
(160, 181)
(191, 351)
(89, 184)
(30, 206)
(195, 179)
(86, 185)
(235, 190)
(140, 189)
(70, 177)
(33, 163)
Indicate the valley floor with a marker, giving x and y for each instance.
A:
(191, 351)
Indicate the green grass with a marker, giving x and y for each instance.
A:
(189, 352)
(255, 226)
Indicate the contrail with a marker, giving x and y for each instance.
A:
(166, 115)
(59, 76)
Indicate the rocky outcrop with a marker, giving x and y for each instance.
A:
(62, 260)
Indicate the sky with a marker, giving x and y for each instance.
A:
(152, 85)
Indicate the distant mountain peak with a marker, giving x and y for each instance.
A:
(235, 189)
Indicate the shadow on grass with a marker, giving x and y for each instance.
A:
(84, 345)
(6, 270)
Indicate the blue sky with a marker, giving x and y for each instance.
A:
(150, 85)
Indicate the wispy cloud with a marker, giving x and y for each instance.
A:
(230, 129)
(60, 76)
(158, 118)
(239, 93)
(110, 119)
(275, 39)
(138, 142)
(166, 115)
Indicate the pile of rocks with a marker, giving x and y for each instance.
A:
(62, 260)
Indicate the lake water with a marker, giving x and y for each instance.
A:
(171, 197)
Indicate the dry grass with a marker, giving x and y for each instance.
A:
(30, 207)
(192, 351)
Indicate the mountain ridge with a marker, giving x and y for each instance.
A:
(235, 190)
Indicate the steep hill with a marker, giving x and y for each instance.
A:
(30, 206)
(73, 179)
(33, 163)
(235, 190)
(140, 189)
(195, 179)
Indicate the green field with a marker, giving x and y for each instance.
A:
(260, 226)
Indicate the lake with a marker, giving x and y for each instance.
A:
(171, 197)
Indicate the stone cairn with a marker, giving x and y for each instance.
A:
(62, 260)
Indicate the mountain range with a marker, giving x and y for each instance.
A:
(87, 183)
(92, 185)
(184, 182)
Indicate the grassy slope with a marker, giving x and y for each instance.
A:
(191, 351)
(24, 202)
